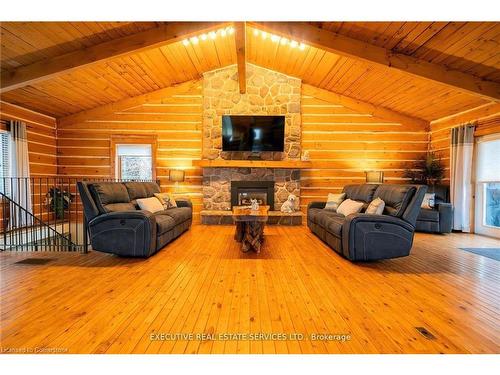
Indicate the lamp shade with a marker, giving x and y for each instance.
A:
(374, 177)
(176, 175)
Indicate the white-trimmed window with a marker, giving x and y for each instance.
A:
(134, 161)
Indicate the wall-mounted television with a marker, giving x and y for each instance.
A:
(253, 133)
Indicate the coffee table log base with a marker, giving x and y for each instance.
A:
(250, 234)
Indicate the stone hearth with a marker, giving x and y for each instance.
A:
(217, 184)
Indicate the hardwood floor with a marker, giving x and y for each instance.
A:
(202, 283)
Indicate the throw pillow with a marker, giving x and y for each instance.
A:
(333, 201)
(376, 207)
(428, 201)
(349, 206)
(150, 204)
(166, 200)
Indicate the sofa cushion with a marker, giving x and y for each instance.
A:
(117, 207)
(324, 216)
(167, 200)
(363, 193)
(376, 207)
(441, 191)
(151, 188)
(105, 193)
(313, 214)
(138, 190)
(151, 204)
(349, 207)
(429, 199)
(179, 214)
(396, 198)
(333, 225)
(164, 223)
(333, 201)
(428, 215)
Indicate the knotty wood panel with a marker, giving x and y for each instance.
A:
(24, 43)
(360, 80)
(343, 144)
(83, 149)
(471, 47)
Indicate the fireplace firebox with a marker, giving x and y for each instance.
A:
(243, 191)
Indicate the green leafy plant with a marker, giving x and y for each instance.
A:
(429, 170)
(58, 201)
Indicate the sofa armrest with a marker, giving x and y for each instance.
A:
(184, 203)
(358, 218)
(370, 237)
(445, 217)
(316, 205)
(125, 233)
(137, 214)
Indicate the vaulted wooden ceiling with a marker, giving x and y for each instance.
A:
(467, 47)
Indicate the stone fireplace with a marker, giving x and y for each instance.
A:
(267, 93)
(217, 182)
(242, 192)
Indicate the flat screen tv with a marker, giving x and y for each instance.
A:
(253, 133)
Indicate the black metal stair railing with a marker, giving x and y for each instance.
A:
(34, 234)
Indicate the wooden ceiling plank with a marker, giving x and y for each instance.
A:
(45, 69)
(240, 37)
(364, 107)
(128, 103)
(339, 44)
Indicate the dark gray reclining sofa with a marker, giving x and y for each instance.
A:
(116, 224)
(363, 237)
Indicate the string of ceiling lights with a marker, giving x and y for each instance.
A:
(230, 30)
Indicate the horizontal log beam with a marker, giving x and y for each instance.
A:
(346, 46)
(474, 114)
(107, 109)
(54, 67)
(364, 107)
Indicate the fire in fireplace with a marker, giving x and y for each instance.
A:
(242, 192)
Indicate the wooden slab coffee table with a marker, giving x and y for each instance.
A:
(250, 227)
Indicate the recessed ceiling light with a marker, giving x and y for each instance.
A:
(223, 32)
(264, 35)
(212, 35)
(203, 36)
(256, 32)
(293, 44)
(283, 41)
(194, 40)
(302, 46)
(231, 30)
(185, 42)
(275, 38)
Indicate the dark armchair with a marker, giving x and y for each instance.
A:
(438, 219)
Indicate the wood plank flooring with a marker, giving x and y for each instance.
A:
(297, 287)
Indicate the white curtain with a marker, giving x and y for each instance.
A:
(462, 145)
(20, 168)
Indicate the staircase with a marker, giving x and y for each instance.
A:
(23, 231)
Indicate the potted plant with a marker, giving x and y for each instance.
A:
(427, 171)
(58, 201)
